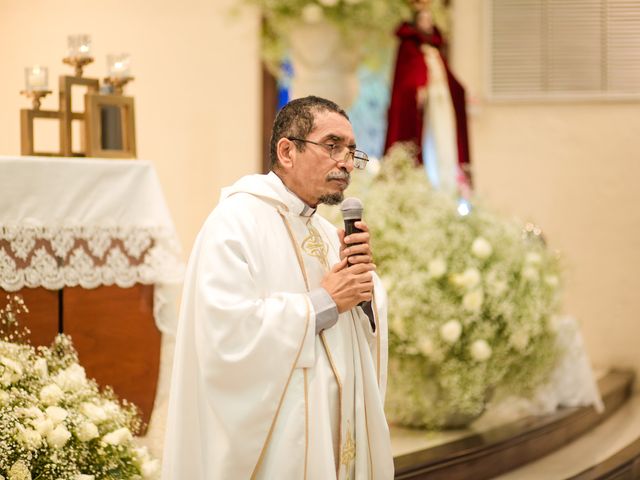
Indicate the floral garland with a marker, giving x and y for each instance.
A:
(54, 421)
(471, 298)
(363, 23)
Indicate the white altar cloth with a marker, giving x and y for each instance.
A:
(87, 222)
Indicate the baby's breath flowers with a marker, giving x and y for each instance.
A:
(54, 421)
(470, 298)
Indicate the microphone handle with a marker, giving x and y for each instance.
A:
(349, 228)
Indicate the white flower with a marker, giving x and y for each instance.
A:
(150, 468)
(41, 368)
(4, 397)
(82, 476)
(467, 279)
(93, 412)
(329, 3)
(425, 345)
(111, 409)
(58, 437)
(437, 267)
(450, 331)
(56, 414)
(551, 280)
(51, 394)
(481, 248)
(11, 371)
(43, 426)
(519, 340)
(480, 350)
(19, 471)
(312, 13)
(87, 431)
(530, 273)
(71, 379)
(533, 258)
(30, 439)
(31, 412)
(118, 437)
(141, 453)
(472, 301)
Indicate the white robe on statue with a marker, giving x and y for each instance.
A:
(256, 393)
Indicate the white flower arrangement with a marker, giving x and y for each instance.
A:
(471, 298)
(54, 421)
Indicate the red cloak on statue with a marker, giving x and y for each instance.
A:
(405, 115)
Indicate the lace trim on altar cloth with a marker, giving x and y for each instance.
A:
(49, 257)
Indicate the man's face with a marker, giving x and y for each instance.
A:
(314, 176)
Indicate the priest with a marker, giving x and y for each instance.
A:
(278, 372)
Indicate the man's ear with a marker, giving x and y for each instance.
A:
(286, 151)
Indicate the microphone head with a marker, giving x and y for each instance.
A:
(351, 209)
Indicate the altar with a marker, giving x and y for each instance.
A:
(90, 246)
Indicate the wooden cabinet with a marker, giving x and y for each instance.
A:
(113, 330)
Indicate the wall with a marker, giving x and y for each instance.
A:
(196, 88)
(572, 168)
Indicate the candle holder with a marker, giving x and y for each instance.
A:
(116, 84)
(36, 97)
(107, 127)
(78, 62)
(79, 52)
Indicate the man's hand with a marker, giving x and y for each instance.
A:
(356, 246)
(349, 285)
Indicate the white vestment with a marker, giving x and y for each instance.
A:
(256, 393)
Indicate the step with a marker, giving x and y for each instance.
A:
(486, 454)
(597, 454)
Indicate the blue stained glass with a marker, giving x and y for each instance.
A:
(369, 112)
(284, 83)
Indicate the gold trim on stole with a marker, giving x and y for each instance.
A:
(296, 248)
(306, 420)
(377, 333)
(327, 351)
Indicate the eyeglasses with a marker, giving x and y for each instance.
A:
(340, 153)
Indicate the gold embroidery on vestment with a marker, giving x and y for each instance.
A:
(314, 245)
(348, 451)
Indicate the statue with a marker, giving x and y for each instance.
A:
(428, 104)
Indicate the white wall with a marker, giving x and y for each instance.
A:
(573, 169)
(196, 88)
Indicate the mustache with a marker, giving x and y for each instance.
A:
(341, 175)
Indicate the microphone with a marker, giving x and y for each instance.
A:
(351, 209)
(351, 212)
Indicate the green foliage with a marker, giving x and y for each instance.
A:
(363, 23)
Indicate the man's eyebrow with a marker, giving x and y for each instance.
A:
(336, 138)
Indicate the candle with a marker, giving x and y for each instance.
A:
(36, 78)
(79, 46)
(119, 66)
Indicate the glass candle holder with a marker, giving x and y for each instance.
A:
(36, 78)
(119, 66)
(79, 46)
